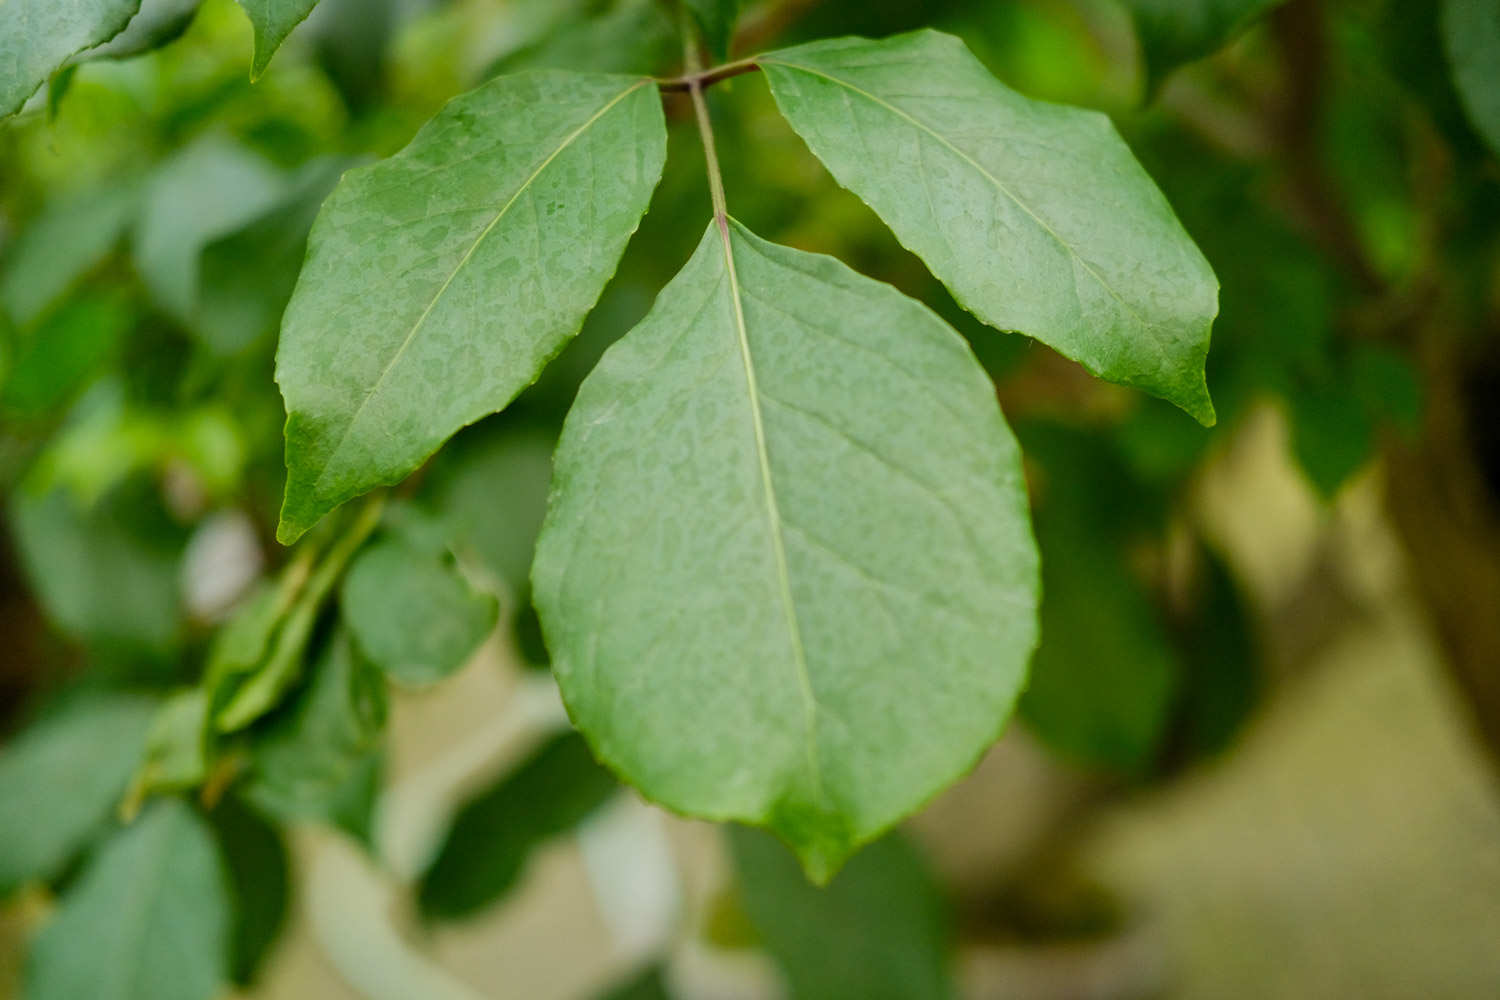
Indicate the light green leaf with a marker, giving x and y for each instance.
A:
(177, 748)
(716, 18)
(89, 749)
(38, 36)
(412, 614)
(66, 241)
(273, 20)
(439, 282)
(1173, 32)
(209, 190)
(1036, 216)
(309, 756)
(877, 932)
(148, 919)
(788, 576)
(1471, 35)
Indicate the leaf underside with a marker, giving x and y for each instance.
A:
(788, 576)
(1036, 216)
(38, 36)
(439, 282)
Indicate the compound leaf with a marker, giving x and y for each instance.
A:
(439, 283)
(148, 920)
(788, 576)
(1036, 216)
(38, 36)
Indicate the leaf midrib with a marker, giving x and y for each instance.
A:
(999, 185)
(773, 513)
(447, 282)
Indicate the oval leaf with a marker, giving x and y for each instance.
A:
(416, 618)
(1036, 216)
(788, 575)
(148, 920)
(439, 282)
(38, 36)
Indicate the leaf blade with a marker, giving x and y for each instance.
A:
(38, 36)
(745, 557)
(273, 21)
(384, 355)
(1036, 216)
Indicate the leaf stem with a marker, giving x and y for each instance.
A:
(695, 78)
(707, 78)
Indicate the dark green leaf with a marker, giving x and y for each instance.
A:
(148, 919)
(1036, 216)
(309, 756)
(273, 20)
(259, 873)
(716, 18)
(61, 779)
(788, 575)
(1471, 34)
(439, 282)
(877, 932)
(1173, 32)
(62, 353)
(38, 36)
(414, 615)
(493, 835)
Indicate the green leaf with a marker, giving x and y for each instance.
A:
(494, 834)
(259, 873)
(272, 676)
(63, 352)
(98, 577)
(879, 931)
(38, 36)
(64, 243)
(148, 919)
(309, 756)
(61, 778)
(273, 20)
(1173, 32)
(159, 22)
(1471, 35)
(207, 191)
(177, 748)
(439, 282)
(716, 18)
(788, 576)
(1036, 216)
(413, 614)
(246, 278)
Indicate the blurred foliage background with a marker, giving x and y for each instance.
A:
(1257, 754)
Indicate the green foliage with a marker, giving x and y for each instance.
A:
(153, 906)
(1036, 217)
(532, 183)
(877, 932)
(62, 778)
(716, 18)
(415, 617)
(495, 833)
(1173, 32)
(756, 647)
(273, 20)
(38, 36)
(1471, 34)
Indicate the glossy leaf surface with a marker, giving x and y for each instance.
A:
(1036, 216)
(788, 575)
